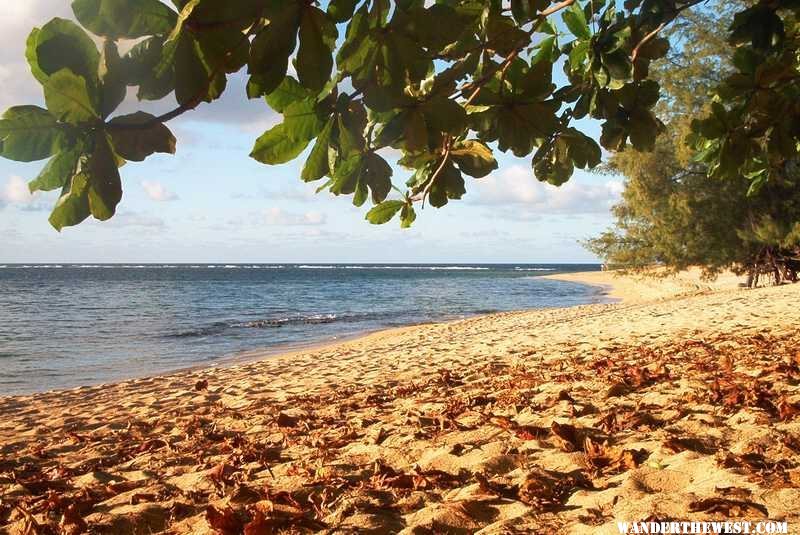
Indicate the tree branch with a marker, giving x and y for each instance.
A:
(669, 20)
(196, 100)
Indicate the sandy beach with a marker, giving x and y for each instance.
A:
(680, 402)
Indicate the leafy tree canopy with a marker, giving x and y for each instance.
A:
(445, 83)
(672, 212)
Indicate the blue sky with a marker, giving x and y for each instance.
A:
(212, 203)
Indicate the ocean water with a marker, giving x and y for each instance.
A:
(63, 326)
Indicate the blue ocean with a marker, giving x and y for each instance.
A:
(63, 326)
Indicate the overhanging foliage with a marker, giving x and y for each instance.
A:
(444, 83)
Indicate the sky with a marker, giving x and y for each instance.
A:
(212, 203)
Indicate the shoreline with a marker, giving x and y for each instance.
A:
(561, 419)
(634, 288)
(613, 288)
(289, 350)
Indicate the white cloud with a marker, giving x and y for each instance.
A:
(20, 87)
(280, 217)
(15, 192)
(135, 219)
(516, 186)
(19, 18)
(157, 192)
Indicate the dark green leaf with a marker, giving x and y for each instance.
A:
(437, 26)
(105, 185)
(272, 46)
(114, 85)
(474, 158)
(445, 115)
(139, 65)
(62, 44)
(195, 79)
(315, 55)
(448, 185)
(127, 19)
(377, 175)
(28, 133)
(341, 10)
(407, 216)
(137, 136)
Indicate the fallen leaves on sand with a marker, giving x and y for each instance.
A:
(728, 508)
(605, 459)
(441, 452)
(224, 520)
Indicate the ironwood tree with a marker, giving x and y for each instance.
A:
(445, 83)
(674, 210)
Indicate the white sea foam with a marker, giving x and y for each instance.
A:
(416, 268)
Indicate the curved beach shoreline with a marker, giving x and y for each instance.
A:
(546, 421)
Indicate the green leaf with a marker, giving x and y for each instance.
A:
(643, 130)
(407, 216)
(301, 120)
(137, 136)
(28, 133)
(349, 140)
(554, 166)
(32, 57)
(277, 146)
(62, 44)
(359, 49)
(114, 84)
(317, 165)
(195, 79)
(547, 51)
(272, 46)
(346, 175)
(315, 55)
(57, 172)
(384, 212)
(124, 19)
(578, 54)
(582, 150)
(73, 205)
(288, 92)
(575, 19)
(654, 48)
(445, 115)
(504, 35)
(105, 185)
(613, 136)
(377, 175)
(341, 10)
(140, 66)
(437, 26)
(415, 131)
(448, 185)
(474, 158)
(67, 97)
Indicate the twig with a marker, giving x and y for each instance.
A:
(645, 40)
(674, 15)
(447, 145)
